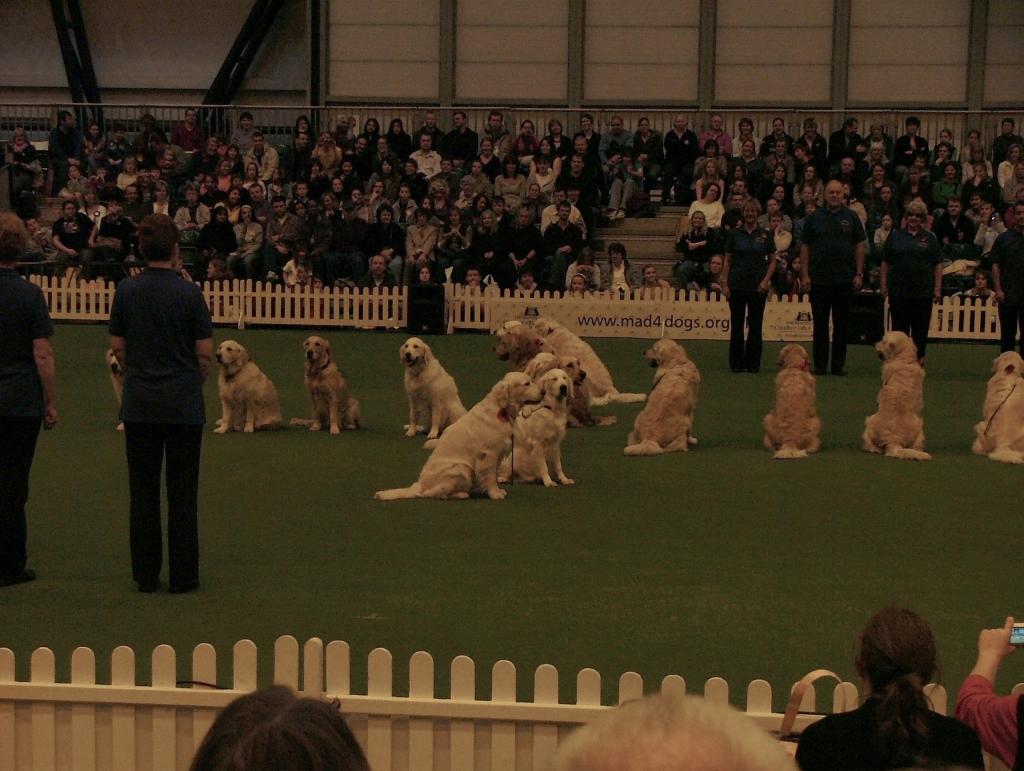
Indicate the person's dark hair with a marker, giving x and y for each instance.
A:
(13, 237)
(896, 654)
(245, 115)
(257, 133)
(616, 246)
(711, 143)
(119, 127)
(62, 114)
(913, 120)
(1009, 120)
(157, 238)
(274, 730)
(462, 113)
(423, 212)
(277, 198)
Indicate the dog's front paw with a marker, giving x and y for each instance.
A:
(222, 428)
(503, 480)
(497, 494)
(566, 481)
(433, 435)
(549, 482)
(410, 431)
(335, 430)
(315, 426)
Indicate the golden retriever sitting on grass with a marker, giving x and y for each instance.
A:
(791, 428)
(666, 422)
(248, 399)
(332, 402)
(1000, 434)
(466, 456)
(434, 402)
(897, 429)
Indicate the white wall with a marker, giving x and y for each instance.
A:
(160, 52)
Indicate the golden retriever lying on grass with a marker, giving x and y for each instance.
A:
(466, 456)
(897, 429)
(248, 399)
(434, 402)
(666, 422)
(333, 405)
(1000, 434)
(599, 386)
(537, 439)
(791, 428)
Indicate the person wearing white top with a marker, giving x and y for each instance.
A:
(428, 160)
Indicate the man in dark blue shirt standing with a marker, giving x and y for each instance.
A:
(162, 334)
(1008, 275)
(832, 255)
(28, 395)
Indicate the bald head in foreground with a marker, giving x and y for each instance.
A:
(663, 733)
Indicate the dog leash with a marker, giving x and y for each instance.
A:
(993, 416)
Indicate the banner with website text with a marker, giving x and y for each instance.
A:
(681, 320)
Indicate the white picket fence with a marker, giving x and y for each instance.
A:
(85, 726)
(657, 313)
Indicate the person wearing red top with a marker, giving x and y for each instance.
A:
(996, 719)
(189, 135)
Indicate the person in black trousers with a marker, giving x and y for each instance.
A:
(161, 333)
(832, 254)
(746, 278)
(28, 395)
(911, 276)
(1008, 276)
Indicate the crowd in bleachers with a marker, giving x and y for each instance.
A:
(518, 205)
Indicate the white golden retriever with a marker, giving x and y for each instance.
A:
(466, 456)
(537, 439)
(666, 422)
(332, 402)
(518, 343)
(599, 387)
(897, 429)
(434, 402)
(116, 380)
(1000, 434)
(791, 428)
(248, 399)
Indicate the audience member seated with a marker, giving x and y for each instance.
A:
(217, 238)
(217, 270)
(661, 732)
(910, 146)
(650, 283)
(710, 206)
(378, 276)
(997, 719)
(561, 242)
(275, 730)
(1001, 144)
(584, 266)
(648, 152)
(682, 148)
(625, 176)
(617, 274)
(895, 727)
(245, 261)
(697, 243)
(109, 243)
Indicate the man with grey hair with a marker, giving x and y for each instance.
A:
(665, 733)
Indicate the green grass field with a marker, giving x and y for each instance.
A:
(720, 561)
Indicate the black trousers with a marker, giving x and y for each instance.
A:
(146, 445)
(745, 355)
(17, 449)
(912, 316)
(831, 301)
(1011, 317)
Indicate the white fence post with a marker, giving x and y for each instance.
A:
(83, 716)
(421, 731)
(503, 735)
(378, 729)
(44, 714)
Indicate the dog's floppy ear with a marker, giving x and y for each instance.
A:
(243, 356)
(427, 353)
(328, 354)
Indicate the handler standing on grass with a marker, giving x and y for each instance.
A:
(161, 333)
(832, 256)
(28, 395)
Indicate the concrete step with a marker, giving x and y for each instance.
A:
(638, 245)
(642, 226)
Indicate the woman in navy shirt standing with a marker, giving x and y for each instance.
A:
(911, 276)
(746, 278)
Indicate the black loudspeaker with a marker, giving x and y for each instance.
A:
(867, 318)
(426, 310)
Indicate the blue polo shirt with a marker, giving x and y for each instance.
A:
(23, 318)
(1008, 253)
(161, 316)
(748, 257)
(832, 238)
(912, 261)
